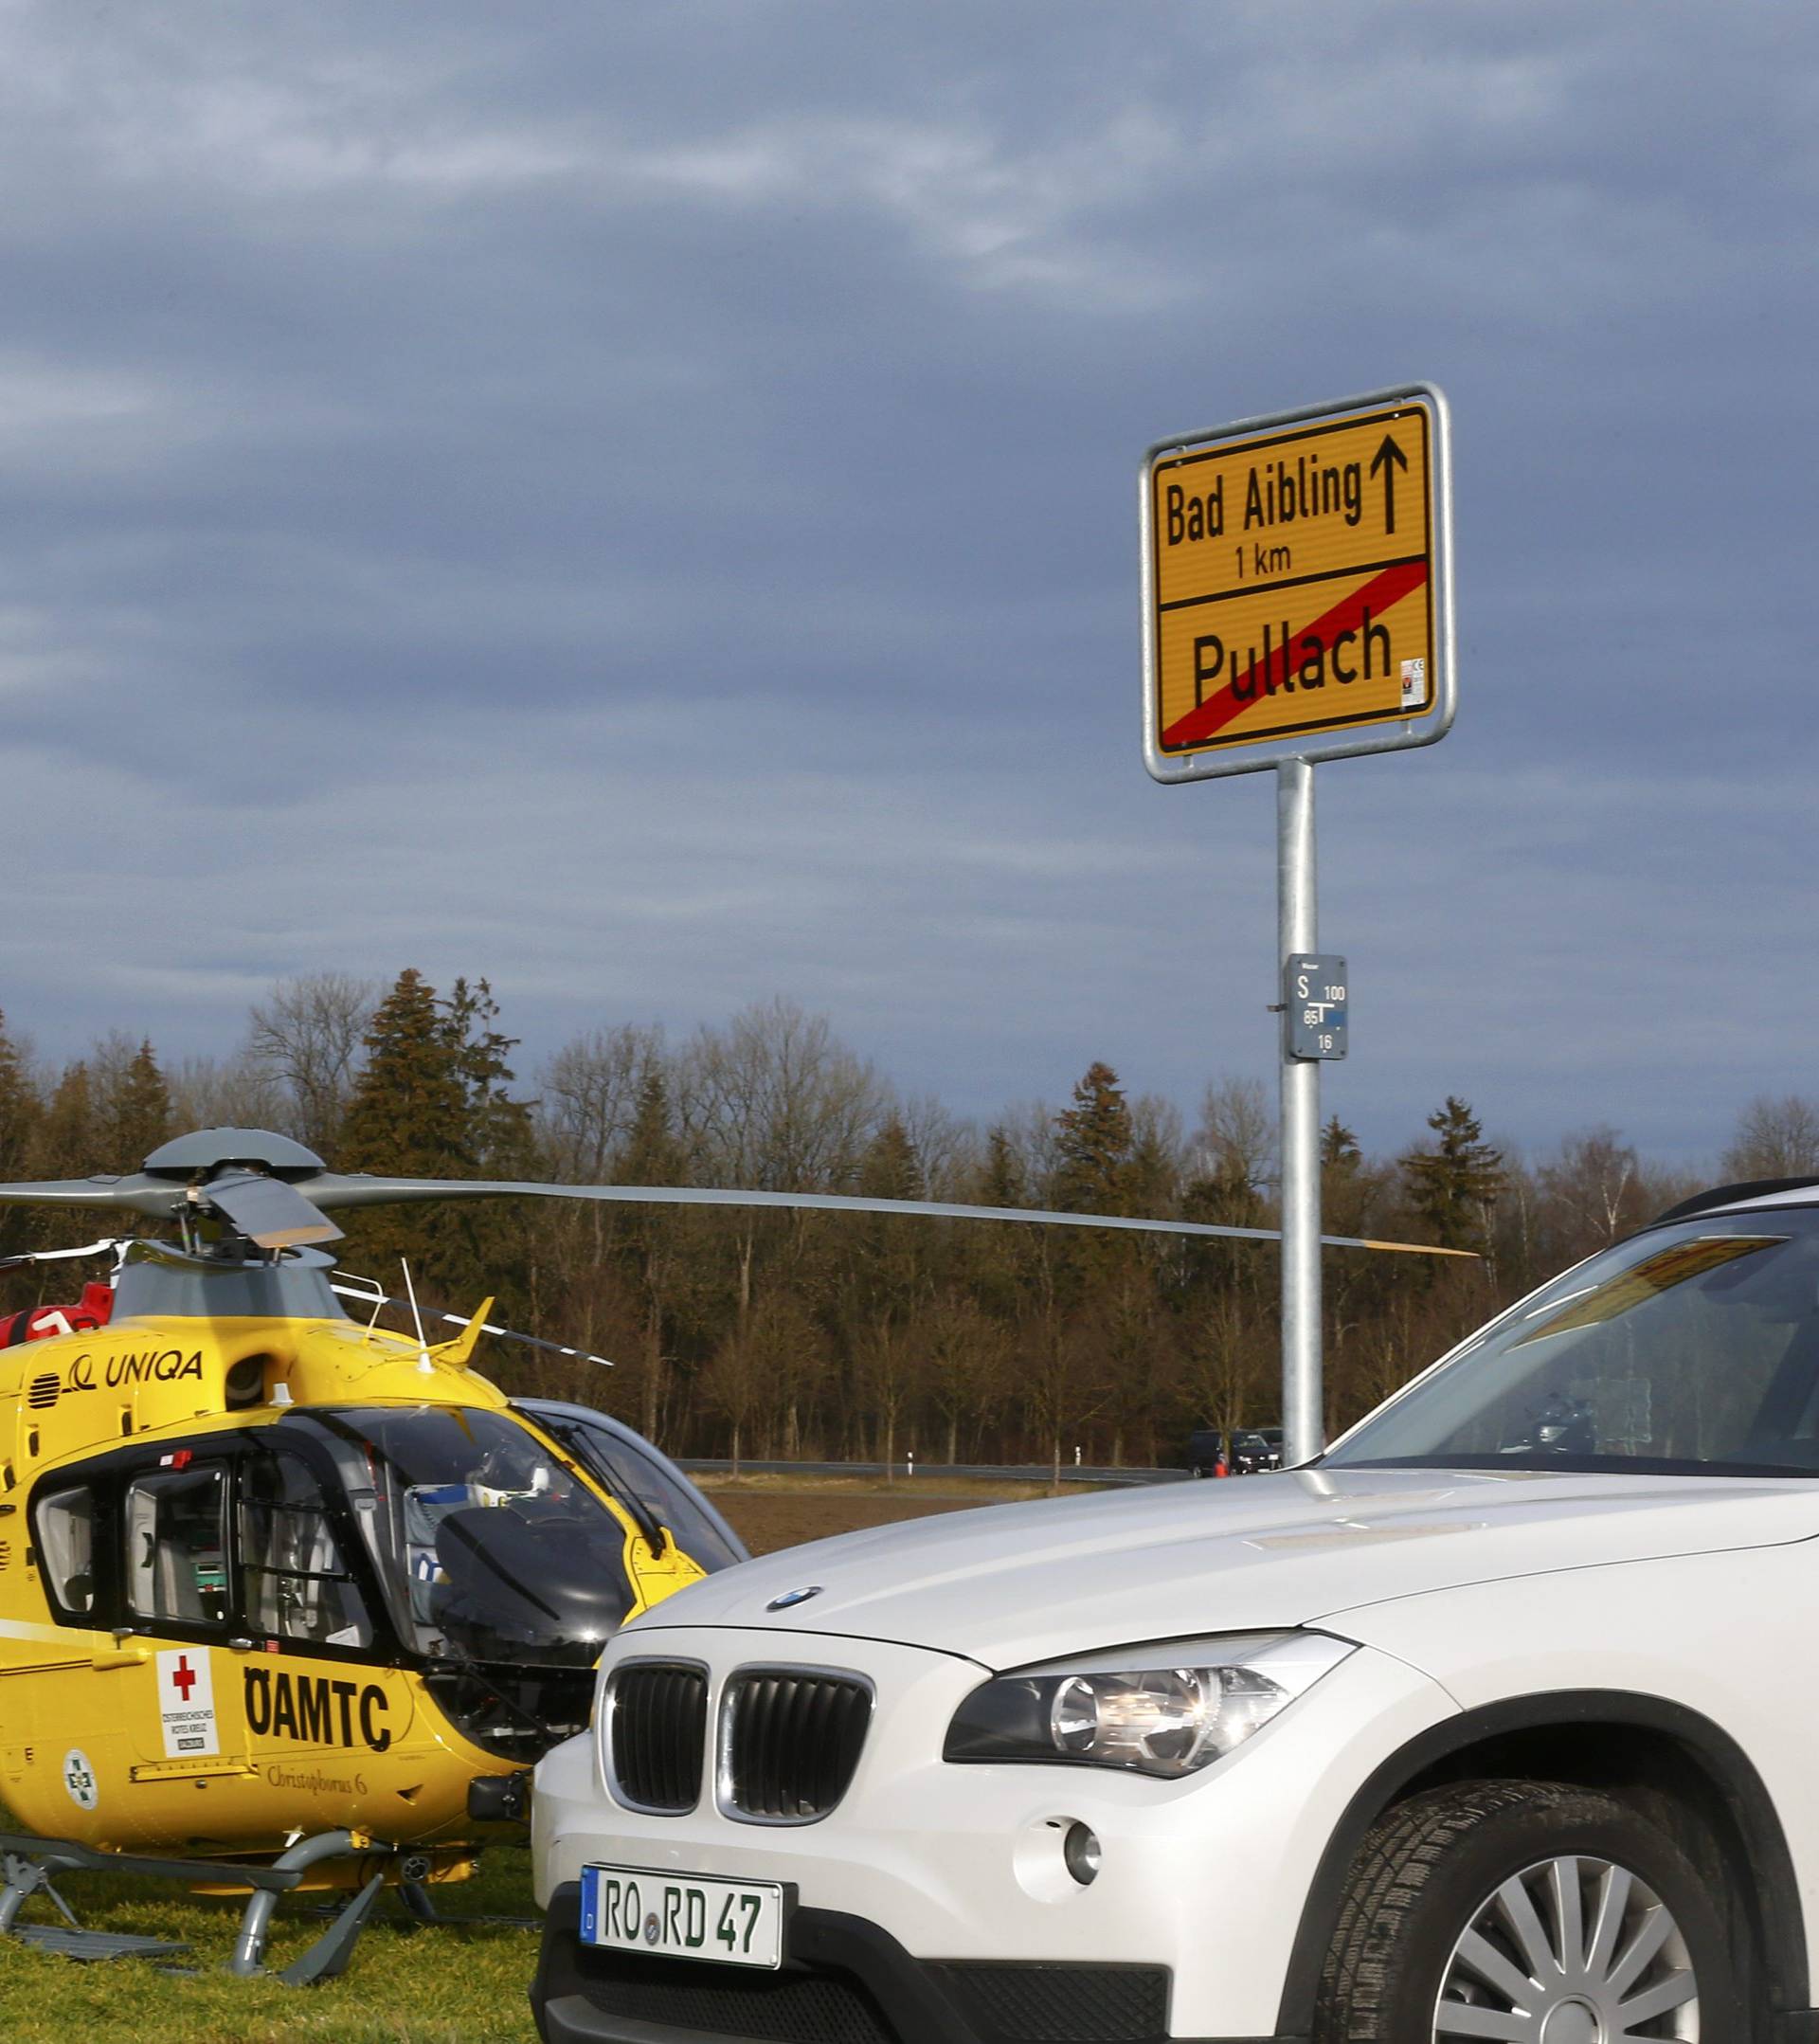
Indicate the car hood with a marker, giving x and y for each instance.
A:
(1009, 1584)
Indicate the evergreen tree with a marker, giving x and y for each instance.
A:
(65, 1140)
(409, 1106)
(1002, 1182)
(65, 1144)
(132, 1113)
(19, 1107)
(495, 1130)
(1454, 1185)
(20, 1114)
(653, 1154)
(1095, 1146)
(890, 1170)
(1339, 1150)
(432, 1101)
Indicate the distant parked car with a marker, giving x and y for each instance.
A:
(1208, 1453)
(1256, 1449)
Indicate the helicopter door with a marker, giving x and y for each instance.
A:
(180, 1703)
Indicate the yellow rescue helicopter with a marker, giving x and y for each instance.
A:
(288, 1600)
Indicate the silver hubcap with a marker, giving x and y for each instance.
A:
(1571, 1952)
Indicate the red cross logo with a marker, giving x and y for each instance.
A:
(183, 1676)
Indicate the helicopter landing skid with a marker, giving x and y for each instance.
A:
(69, 1939)
(418, 1899)
(28, 1864)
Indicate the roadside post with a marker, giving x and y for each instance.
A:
(1297, 595)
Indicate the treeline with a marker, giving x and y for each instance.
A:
(777, 1334)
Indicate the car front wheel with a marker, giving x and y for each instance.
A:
(1529, 1911)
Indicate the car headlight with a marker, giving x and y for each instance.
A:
(1165, 1709)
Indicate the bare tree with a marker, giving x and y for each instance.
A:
(237, 1092)
(587, 1100)
(1595, 1188)
(775, 1101)
(1236, 1141)
(309, 1035)
(1777, 1136)
(967, 1354)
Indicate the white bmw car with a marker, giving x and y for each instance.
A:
(1498, 1720)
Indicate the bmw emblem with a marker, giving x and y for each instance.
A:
(792, 1597)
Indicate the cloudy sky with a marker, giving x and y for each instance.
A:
(639, 501)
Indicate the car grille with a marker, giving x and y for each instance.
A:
(1010, 2004)
(692, 2000)
(1063, 2005)
(656, 1727)
(789, 1741)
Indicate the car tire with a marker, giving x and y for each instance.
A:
(1527, 1900)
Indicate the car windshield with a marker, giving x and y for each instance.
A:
(1693, 1350)
(491, 1549)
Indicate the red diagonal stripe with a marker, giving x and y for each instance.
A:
(1347, 615)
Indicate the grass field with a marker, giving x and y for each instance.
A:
(445, 1984)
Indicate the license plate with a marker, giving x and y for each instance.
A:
(683, 1915)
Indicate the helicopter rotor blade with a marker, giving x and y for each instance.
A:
(269, 1212)
(283, 1211)
(139, 1193)
(336, 1189)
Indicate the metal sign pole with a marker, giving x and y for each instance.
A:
(1297, 601)
(1297, 922)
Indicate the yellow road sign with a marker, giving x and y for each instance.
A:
(1296, 591)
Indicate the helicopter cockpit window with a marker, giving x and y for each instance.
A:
(502, 1553)
(666, 1503)
(67, 1546)
(296, 1580)
(176, 1560)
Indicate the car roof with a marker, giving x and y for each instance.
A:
(1751, 1194)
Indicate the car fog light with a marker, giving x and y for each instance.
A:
(1081, 1851)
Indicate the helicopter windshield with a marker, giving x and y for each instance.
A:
(492, 1550)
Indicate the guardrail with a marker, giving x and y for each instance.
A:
(907, 1471)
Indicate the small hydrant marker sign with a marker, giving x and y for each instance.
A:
(1315, 1001)
(187, 1702)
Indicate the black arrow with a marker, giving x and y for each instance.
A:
(1389, 458)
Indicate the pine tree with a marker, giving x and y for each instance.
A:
(1094, 1147)
(432, 1102)
(65, 1144)
(409, 1108)
(20, 1114)
(132, 1112)
(496, 1129)
(890, 1169)
(1454, 1185)
(1002, 1182)
(1339, 1149)
(19, 1107)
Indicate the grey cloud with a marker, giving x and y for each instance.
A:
(640, 502)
